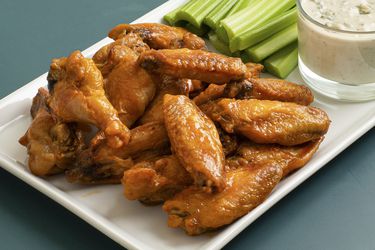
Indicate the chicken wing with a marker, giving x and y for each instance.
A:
(230, 142)
(195, 141)
(160, 36)
(51, 144)
(106, 62)
(269, 121)
(102, 164)
(77, 95)
(194, 64)
(197, 212)
(211, 93)
(290, 158)
(168, 85)
(128, 87)
(254, 69)
(269, 89)
(153, 182)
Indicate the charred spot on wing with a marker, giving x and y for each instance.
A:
(239, 89)
(51, 81)
(144, 33)
(149, 64)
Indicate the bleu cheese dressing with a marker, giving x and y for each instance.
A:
(341, 48)
(349, 15)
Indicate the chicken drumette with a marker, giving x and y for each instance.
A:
(52, 145)
(155, 181)
(77, 95)
(128, 87)
(101, 164)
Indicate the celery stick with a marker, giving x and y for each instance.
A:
(220, 11)
(220, 46)
(236, 54)
(283, 62)
(198, 31)
(220, 31)
(170, 18)
(222, 34)
(196, 10)
(244, 57)
(257, 35)
(272, 44)
(217, 44)
(241, 4)
(255, 15)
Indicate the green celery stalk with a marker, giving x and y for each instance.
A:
(196, 10)
(222, 34)
(220, 11)
(274, 25)
(220, 31)
(217, 44)
(244, 57)
(220, 46)
(254, 15)
(283, 62)
(272, 44)
(170, 17)
(198, 31)
(241, 4)
(236, 54)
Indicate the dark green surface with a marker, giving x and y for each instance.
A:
(335, 209)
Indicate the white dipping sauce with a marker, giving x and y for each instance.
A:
(332, 52)
(351, 15)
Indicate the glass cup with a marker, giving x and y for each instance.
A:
(336, 63)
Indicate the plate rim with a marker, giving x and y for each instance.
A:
(115, 232)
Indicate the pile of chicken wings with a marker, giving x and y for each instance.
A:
(200, 132)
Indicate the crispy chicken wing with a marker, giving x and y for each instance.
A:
(168, 85)
(159, 36)
(128, 87)
(102, 164)
(257, 88)
(211, 93)
(254, 69)
(290, 158)
(51, 144)
(197, 212)
(269, 121)
(106, 62)
(269, 89)
(153, 182)
(230, 142)
(194, 64)
(195, 141)
(77, 95)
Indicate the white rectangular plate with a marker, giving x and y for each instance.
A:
(132, 224)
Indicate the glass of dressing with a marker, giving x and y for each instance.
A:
(337, 47)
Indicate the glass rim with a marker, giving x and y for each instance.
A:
(308, 17)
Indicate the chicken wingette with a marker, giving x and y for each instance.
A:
(195, 141)
(197, 211)
(194, 64)
(159, 36)
(264, 121)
